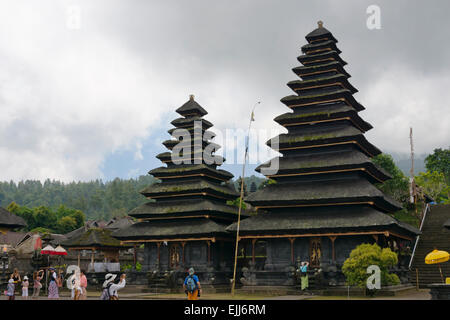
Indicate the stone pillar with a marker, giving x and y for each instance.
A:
(292, 250)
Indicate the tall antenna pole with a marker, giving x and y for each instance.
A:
(233, 284)
(411, 179)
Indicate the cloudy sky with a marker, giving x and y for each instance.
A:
(88, 88)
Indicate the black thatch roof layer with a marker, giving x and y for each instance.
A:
(189, 122)
(294, 101)
(335, 66)
(193, 143)
(322, 56)
(190, 170)
(182, 208)
(322, 193)
(322, 220)
(9, 220)
(315, 47)
(322, 135)
(166, 229)
(191, 108)
(173, 188)
(338, 113)
(320, 33)
(93, 238)
(327, 162)
(341, 79)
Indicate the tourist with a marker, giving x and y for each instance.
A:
(192, 285)
(304, 275)
(59, 279)
(53, 286)
(37, 277)
(25, 285)
(16, 278)
(10, 290)
(110, 288)
(83, 285)
(75, 285)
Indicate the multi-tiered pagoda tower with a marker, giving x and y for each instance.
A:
(184, 223)
(324, 202)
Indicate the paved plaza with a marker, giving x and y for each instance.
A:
(422, 294)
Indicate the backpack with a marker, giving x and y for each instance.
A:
(191, 285)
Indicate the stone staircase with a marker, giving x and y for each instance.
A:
(434, 235)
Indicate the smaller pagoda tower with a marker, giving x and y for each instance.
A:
(183, 225)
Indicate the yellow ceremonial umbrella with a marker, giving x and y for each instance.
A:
(437, 256)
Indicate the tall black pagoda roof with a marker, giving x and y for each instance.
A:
(325, 178)
(191, 194)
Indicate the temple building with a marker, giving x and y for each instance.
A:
(184, 223)
(323, 202)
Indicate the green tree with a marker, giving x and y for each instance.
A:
(364, 255)
(398, 186)
(434, 184)
(44, 217)
(79, 217)
(439, 161)
(66, 224)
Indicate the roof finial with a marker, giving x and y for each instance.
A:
(191, 97)
(320, 24)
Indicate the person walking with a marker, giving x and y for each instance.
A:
(10, 290)
(192, 285)
(304, 276)
(83, 285)
(53, 286)
(37, 277)
(110, 288)
(25, 285)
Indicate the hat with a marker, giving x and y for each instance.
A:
(109, 278)
(191, 271)
(25, 278)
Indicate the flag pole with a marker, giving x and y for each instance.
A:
(233, 284)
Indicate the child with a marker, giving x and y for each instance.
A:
(10, 289)
(25, 285)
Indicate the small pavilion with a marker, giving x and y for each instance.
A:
(95, 240)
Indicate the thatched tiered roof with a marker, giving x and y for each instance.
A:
(191, 199)
(9, 220)
(326, 178)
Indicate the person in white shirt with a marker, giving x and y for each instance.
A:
(25, 285)
(110, 288)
